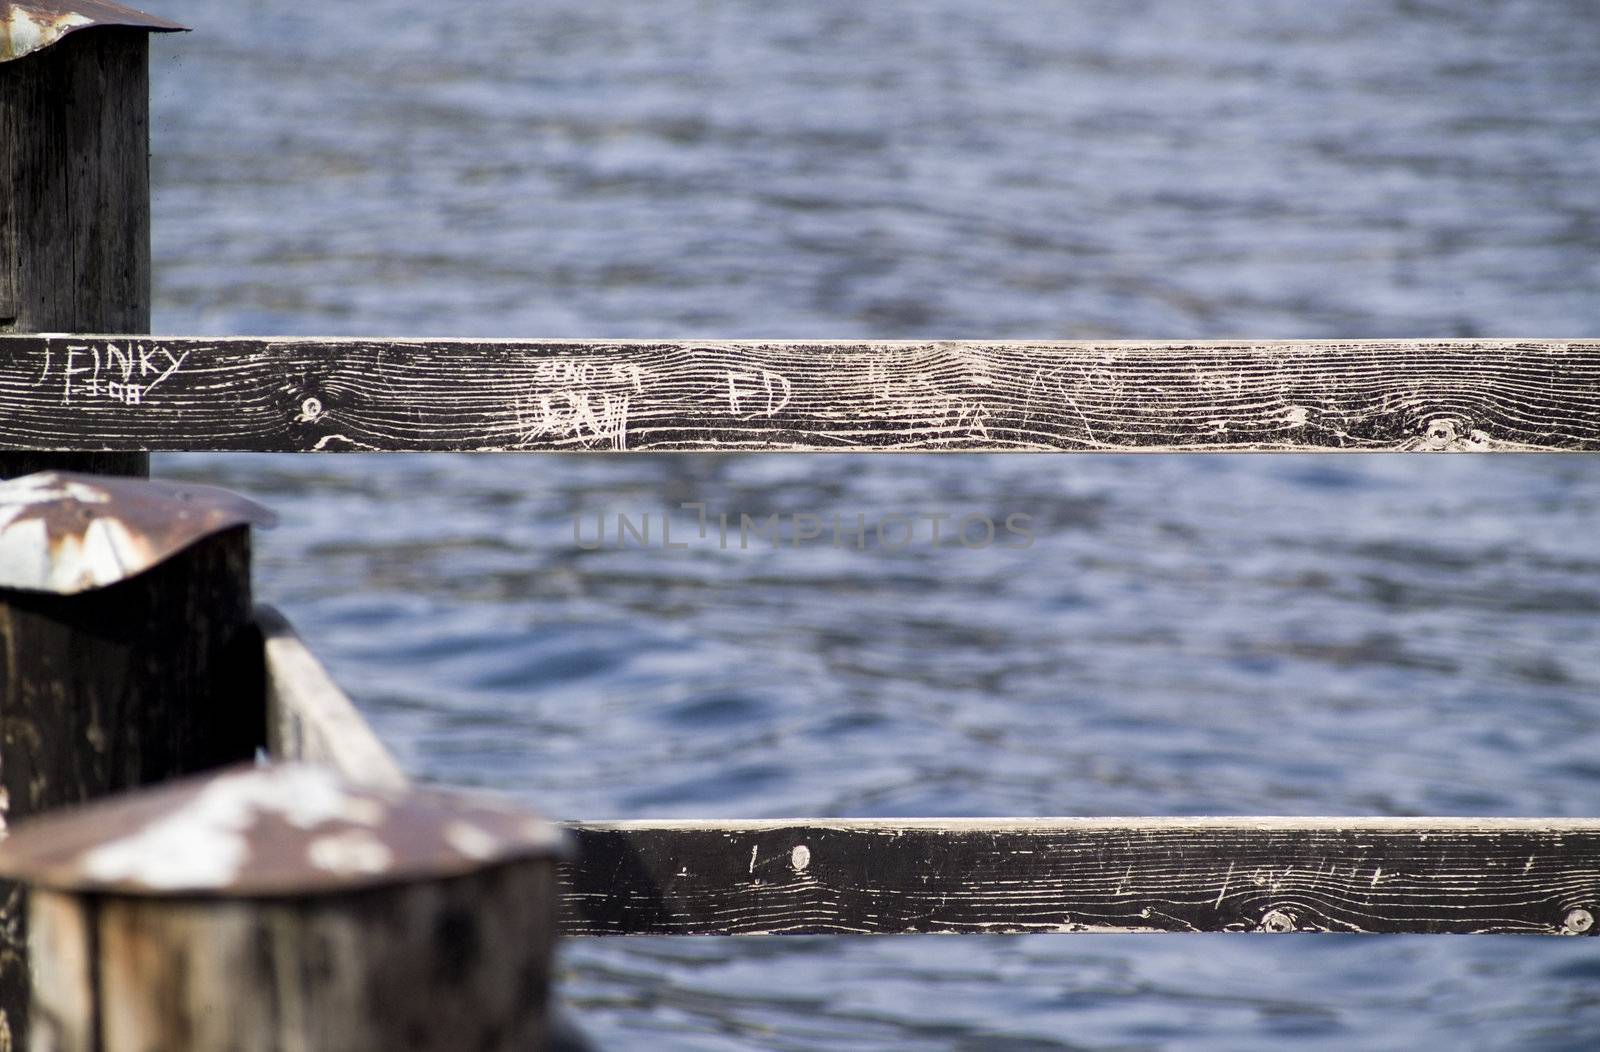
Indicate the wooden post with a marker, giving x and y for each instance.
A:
(272, 908)
(74, 184)
(127, 651)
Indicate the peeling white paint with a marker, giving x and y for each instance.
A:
(108, 544)
(67, 534)
(204, 844)
(364, 811)
(18, 495)
(24, 550)
(350, 852)
(28, 35)
(470, 840)
(27, 26)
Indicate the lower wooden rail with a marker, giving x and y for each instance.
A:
(896, 875)
(891, 876)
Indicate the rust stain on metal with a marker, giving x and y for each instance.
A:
(272, 831)
(68, 533)
(27, 26)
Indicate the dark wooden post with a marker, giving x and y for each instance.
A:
(127, 653)
(74, 184)
(269, 908)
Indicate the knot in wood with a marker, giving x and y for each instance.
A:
(1446, 434)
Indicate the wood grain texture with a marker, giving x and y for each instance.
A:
(74, 148)
(310, 719)
(74, 256)
(457, 963)
(75, 201)
(119, 687)
(891, 876)
(120, 393)
(62, 1015)
(130, 684)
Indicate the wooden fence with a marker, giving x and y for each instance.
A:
(808, 876)
(136, 393)
(77, 264)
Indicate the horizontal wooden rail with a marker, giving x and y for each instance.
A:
(998, 875)
(888, 876)
(140, 393)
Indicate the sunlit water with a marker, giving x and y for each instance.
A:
(1206, 635)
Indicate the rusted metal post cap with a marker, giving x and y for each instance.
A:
(27, 26)
(269, 831)
(67, 533)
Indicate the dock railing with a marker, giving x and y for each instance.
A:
(1433, 875)
(84, 388)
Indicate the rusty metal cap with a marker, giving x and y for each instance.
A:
(68, 533)
(270, 832)
(27, 26)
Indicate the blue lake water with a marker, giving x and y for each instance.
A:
(1373, 635)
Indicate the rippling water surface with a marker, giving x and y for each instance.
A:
(1205, 635)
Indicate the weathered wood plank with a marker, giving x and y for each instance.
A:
(119, 687)
(454, 964)
(120, 393)
(130, 684)
(62, 1016)
(815, 876)
(309, 718)
(75, 202)
(267, 909)
(74, 146)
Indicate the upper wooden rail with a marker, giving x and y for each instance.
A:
(96, 393)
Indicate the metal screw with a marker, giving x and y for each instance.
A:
(1277, 921)
(310, 409)
(1579, 920)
